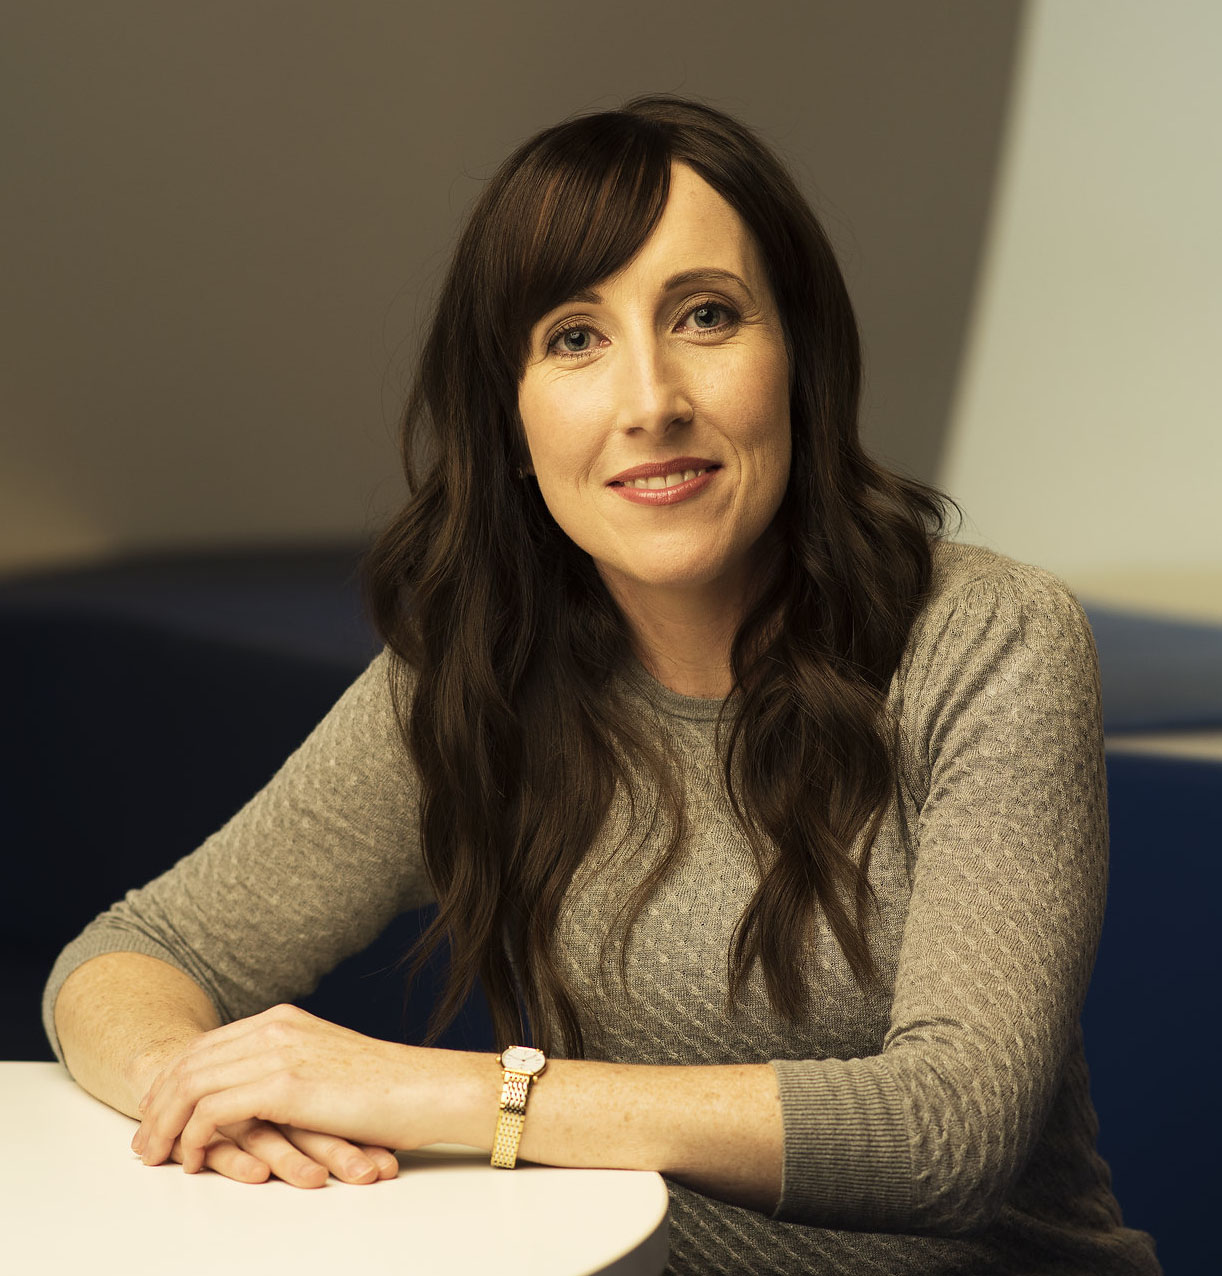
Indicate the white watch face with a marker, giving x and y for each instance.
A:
(523, 1059)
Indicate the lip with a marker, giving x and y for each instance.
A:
(657, 496)
(654, 469)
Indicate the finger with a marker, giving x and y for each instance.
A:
(239, 1104)
(384, 1159)
(272, 1147)
(232, 1162)
(348, 1163)
(175, 1101)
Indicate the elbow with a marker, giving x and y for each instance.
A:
(947, 1145)
(960, 1208)
(964, 1173)
(971, 1132)
(984, 1111)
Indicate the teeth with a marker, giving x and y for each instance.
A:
(671, 480)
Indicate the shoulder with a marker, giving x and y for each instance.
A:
(371, 695)
(988, 621)
(973, 576)
(973, 588)
(364, 721)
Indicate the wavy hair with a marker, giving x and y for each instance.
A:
(507, 641)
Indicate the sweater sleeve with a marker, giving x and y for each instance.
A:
(1001, 719)
(306, 874)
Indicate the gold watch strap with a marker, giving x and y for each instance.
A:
(514, 1093)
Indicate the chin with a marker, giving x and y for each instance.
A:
(681, 576)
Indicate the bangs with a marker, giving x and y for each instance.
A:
(578, 210)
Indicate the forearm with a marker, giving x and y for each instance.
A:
(120, 1017)
(716, 1129)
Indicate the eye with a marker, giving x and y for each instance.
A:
(572, 342)
(709, 316)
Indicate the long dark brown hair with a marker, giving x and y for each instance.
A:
(506, 640)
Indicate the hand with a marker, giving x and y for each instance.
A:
(286, 1068)
(254, 1151)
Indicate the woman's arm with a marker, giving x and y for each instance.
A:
(1001, 713)
(716, 1129)
(307, 873)
(122, 1018)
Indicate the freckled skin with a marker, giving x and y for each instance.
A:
(650, 373)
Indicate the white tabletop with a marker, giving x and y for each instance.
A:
(74, 1198)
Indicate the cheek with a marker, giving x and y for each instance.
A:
(761, 413)
(774, 467)
(559, 430)
(771, 438)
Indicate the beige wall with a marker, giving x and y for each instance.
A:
(225, 222)
(1088, 429)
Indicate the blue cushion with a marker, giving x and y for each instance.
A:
(1158, 674)
(1150, 1021)
(304, 603)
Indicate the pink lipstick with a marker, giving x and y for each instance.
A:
(664, 482)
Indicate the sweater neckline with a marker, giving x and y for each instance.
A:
(672, 703)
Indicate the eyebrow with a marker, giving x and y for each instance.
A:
(589, 297)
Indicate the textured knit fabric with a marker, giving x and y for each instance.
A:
(937, 1123)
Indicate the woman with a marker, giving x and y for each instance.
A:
(781, 819)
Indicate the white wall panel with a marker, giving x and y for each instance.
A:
(1087, 434)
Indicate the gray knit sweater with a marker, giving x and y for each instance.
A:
(940, 1123)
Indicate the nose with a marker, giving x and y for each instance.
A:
(650, 391)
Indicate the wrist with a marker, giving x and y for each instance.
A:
(460, 1101)
(521, 1068)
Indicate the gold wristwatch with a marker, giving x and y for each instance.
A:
(523, 1067)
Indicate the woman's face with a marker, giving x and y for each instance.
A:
(656, 407)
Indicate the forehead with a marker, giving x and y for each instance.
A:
(697, 228)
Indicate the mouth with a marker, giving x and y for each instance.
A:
(659, 475)
(664, 483)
